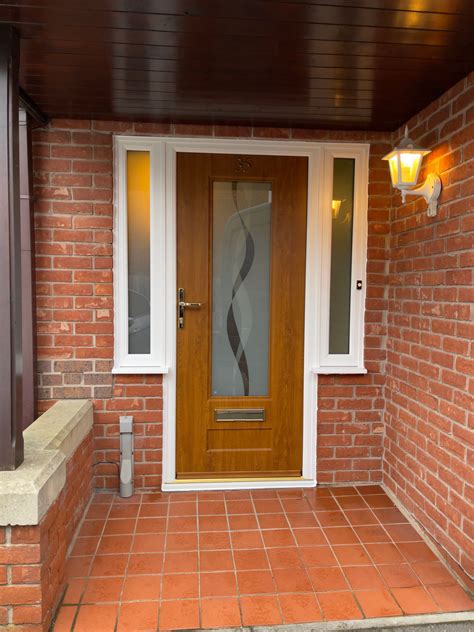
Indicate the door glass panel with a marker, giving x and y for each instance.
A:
(241, 225)
(341, 255)
(138, 224)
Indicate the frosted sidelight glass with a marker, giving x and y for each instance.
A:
(341, 255)
(138, 224)
(241, 229)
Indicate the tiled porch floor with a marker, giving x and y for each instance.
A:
(223, 559)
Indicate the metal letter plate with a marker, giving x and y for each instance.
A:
(239, 414)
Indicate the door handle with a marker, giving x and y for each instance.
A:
(182, 304)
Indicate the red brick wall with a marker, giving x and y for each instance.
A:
(429, 442)
(33, 558)
(73, 218)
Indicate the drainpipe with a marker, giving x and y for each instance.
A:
(126, 456)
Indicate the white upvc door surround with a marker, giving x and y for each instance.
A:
(165, 150)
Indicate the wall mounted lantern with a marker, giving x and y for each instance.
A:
(405, 163)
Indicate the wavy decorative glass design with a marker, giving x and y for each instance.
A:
(241, 221)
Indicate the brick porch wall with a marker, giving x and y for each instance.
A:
(429, 440)
(33, 558)
(73, 240)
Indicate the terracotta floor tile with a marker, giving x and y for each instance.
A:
(246, 540)
(182, 616)
(372, 533)
(183, 586)
(216, 561)
(324, 504)
(367, 490)
(385, 553)
(242, 522)
(136, 588)
(264, 493)
(291, 493)
(91, 527)
(151, 525)
(98, 617)
(78, 566)
(141, 617)
(181, 542)
(351, 502)
(218, 584)
(145, 564)
(148, 543)
(302, 520)
(318, 492)
(377, 603)
(351, 555)
(398, 575)
(378, 501)
(250, 560)
(220, 612)
(109, 565)
(417, 552)
(131, 500)
(341, 535)
(363, 577)
(260, 610)
(210, 495)
(272, 521)
(339, 606)
(74, 590)
(326, 579)
(295, 505)
(317, 556)
(158, 510)
(65, 618)
(414, 600)
(103, 589)
(255, 582)
(284, 557)
(182, 525)
(98, 511)
(268, 505)
(358, 517)
(403, 533)
(115, 544)
(278, 537)
(344, 490)
(332, 519)
(85, 546)
(213, 523)
(432, 573)
(299, 608)
(155, 497)
(182, 509)
(294, 580)
(124, 511)
(181, 562)
(120, 526)
(239, 507)
(451, 598)
(309, 537)
(390, 515)
(211, 507)
(241, 494)
(180, 497)
(214, 541)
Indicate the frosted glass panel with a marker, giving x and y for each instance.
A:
(241, 287)
(341, 255)
(138, 225)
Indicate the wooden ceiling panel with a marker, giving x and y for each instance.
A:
(365, 64)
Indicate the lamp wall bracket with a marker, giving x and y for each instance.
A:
(430, 190)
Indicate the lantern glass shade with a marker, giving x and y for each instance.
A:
(405, 163)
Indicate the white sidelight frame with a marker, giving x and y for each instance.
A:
(164, 152)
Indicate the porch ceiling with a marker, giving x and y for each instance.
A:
(359, 64)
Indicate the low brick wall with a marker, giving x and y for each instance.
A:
(33, 558)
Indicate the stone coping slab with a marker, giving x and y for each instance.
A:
(27, 492)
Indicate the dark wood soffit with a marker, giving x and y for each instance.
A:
(361, 64)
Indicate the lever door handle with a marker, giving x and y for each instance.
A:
(182, 304)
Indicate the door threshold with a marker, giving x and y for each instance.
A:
(228, 484)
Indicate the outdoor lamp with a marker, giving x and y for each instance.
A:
(405, 163)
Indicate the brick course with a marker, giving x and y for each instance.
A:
(73, 219)
(33, 558)
(429, 442)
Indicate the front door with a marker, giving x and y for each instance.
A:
(241, 232)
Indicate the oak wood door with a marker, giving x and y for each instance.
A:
(241, 244)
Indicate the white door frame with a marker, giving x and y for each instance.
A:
(314, 280)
